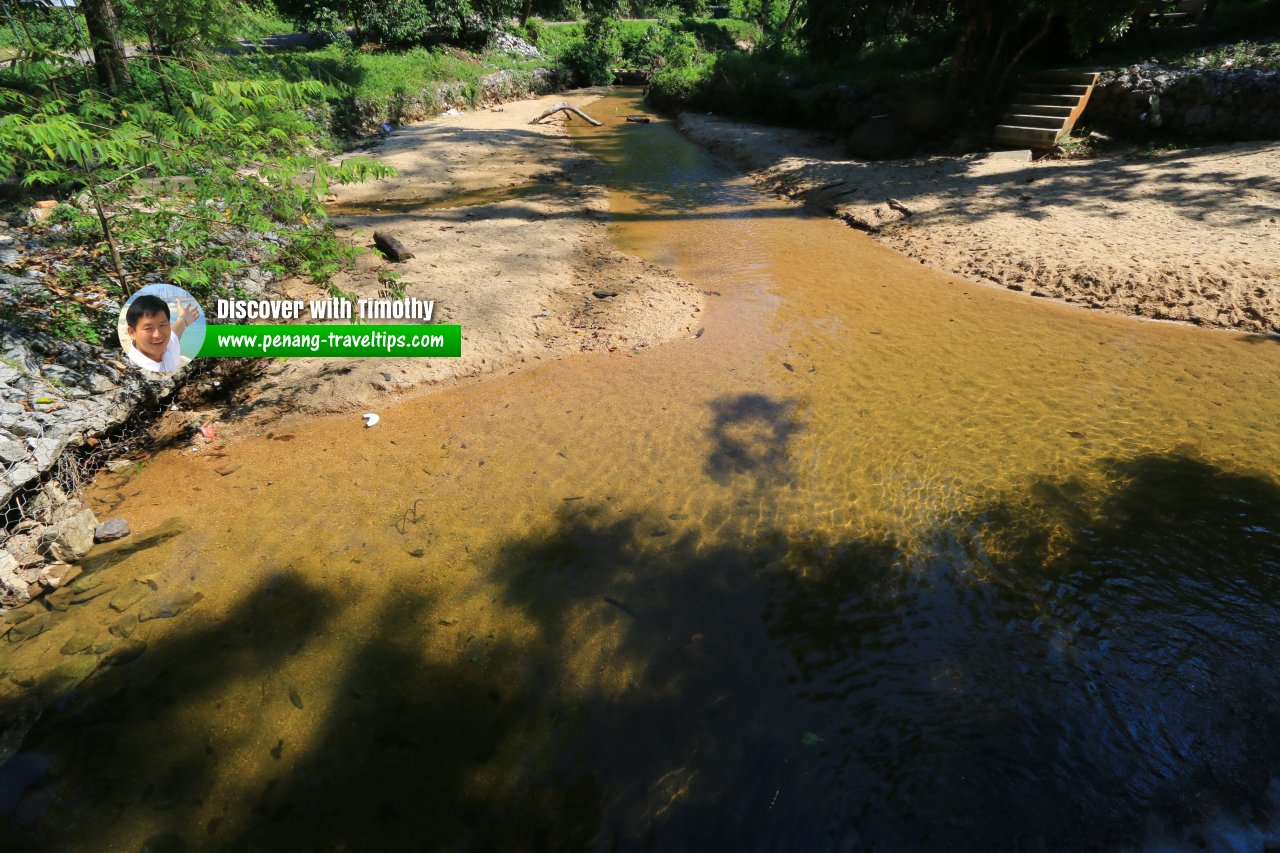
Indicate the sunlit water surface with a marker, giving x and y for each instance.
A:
(882, 560)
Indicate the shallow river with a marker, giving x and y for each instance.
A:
(882, 560)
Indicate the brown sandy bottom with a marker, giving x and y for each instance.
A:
(507, 224)
(1190, 235)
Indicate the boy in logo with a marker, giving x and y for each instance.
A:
(155, 338)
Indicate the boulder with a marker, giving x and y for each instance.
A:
(924, 114)
(111, 530)
(73, 536)
(11, 585)
(881, 138)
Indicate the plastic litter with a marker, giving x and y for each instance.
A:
(370, 419)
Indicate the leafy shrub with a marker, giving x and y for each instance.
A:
(590, 59)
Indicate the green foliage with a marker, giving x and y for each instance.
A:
(218, 171)
(50, 29)
(181, 27)
(590, 59)
(1244, 54)
(401, 23)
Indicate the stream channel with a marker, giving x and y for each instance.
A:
(881, 560)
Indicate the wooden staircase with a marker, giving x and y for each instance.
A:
(1045, 109)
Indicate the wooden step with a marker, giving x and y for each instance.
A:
(1035, 109)
(1077, 78)
(1048, 100)
(1028, 120)
(1032, 137)
(1056, 88)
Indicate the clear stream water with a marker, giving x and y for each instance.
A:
(882, 560)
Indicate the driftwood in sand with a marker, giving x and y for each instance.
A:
(563, 106)
(391, 247)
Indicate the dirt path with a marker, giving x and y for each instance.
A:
(1191, 236)
(507, 222)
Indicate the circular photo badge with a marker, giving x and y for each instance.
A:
(161, 328)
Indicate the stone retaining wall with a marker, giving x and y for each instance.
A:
(1224, 104)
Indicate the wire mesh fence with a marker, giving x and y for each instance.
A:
(76, 467)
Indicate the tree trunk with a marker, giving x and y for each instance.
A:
(792, 8)
(104, 37)
(960, 58)
(1017, 57)
(525, 12)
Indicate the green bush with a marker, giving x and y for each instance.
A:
(590, 59)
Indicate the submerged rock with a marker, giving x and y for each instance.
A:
(125, 651)
(125, 625)
(80, 641)
(30, 628)
(129, 595)
(93, 592)
(68, 676)
(166, 607)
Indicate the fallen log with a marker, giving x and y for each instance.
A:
(391, 247)
(563, 106)
(639, 119)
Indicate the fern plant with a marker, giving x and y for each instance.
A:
(176, 181)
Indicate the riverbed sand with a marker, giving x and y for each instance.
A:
(1189, 235)
(515, 258)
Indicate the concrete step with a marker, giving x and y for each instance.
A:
(1034, 109)
(1031, 137)
(1030, 120)
(1048, 100)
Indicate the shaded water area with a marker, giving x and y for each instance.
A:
(880, 561)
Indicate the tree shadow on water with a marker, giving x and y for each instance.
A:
(1079, 665)
(750, 433)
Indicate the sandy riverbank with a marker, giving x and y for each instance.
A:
(507, 221)
(1191, 235)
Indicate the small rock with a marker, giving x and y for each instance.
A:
(224, 470)
(111, 530)
(53, 575)
(125, 625)
(603, 294)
